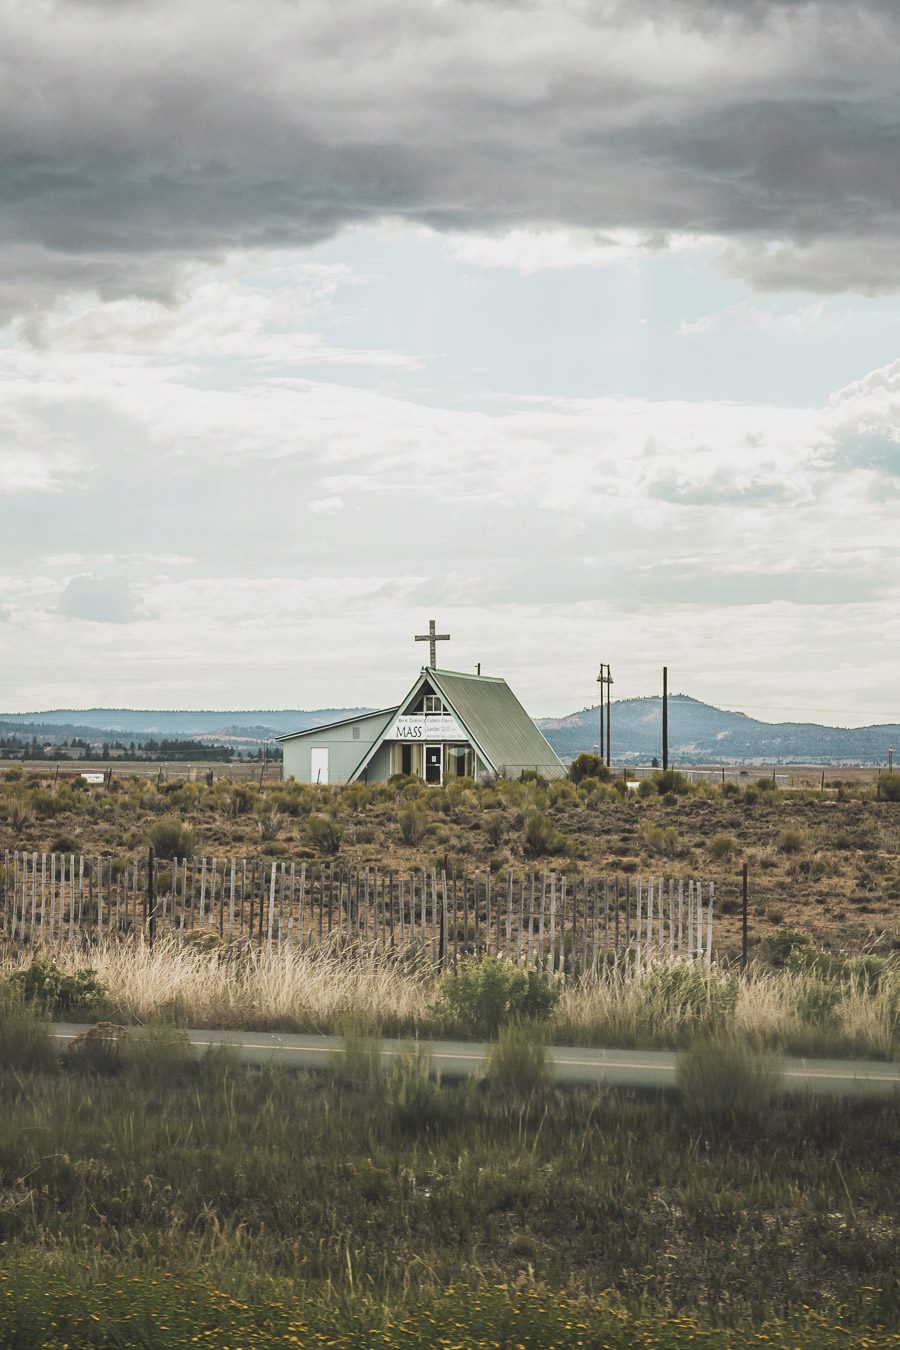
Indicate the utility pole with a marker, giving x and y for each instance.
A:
(605, 678)
(665, 718)
(609, 681)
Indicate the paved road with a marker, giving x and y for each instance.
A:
(460, 1059)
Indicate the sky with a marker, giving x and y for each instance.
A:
(573, 324)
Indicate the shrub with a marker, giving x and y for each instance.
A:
(324, 833)
(239, 801)
(485, 995)
(724, 1086)
(541, 838)
(778, 947)
(157, 1054)
(360, 1061)
(269, 821)
(495, 826)
(56, 994)
(670, 780)
(588, 766)
(722, 846)
(24, 1040)
(415, 1101)
(518, 1065)
(662, 840)
(413, 822)
(792, 841)
(96, 1050)
(888, 789)
(170, 839)
(21, 816)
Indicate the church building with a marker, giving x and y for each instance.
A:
(449, 725)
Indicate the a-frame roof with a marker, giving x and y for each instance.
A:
(499, 728)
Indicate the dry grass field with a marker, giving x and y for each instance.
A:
(826, 863)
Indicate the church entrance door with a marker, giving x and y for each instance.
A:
(434, 756)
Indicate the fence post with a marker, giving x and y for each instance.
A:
(745, 895)
(151, 895)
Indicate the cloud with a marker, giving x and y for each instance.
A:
(765, 318)
(136, 138)
(326, 506)
(98, 599)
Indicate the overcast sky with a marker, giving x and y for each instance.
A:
(573, 325)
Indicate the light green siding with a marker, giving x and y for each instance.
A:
(378, 769)
(344, 749)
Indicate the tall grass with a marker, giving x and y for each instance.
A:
(288, 1185)
(793, 1011)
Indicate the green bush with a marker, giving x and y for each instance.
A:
(540, 838)
(415, 1101)
(156, 1054)
(64, 843)
(792, 841)
(725, 1087)
(485, 995)
(670, 780)
(518, 1064)
(24, 1039)
(170, 839)
(413, 822)
(588, 766)
(269, 821)
(324, 833)
(494, 825)
(722, 846)
(663, 840)
(360, 1062)
(21, 816)
(778, 948)
(96, 1050)
(888, 789)
(239, 801)
(46, 987)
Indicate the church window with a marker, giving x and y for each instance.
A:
(433, 704)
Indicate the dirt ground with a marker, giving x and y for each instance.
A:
(824, 862)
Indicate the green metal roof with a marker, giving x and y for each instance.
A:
(497, 722)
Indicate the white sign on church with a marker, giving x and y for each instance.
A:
(424, 727)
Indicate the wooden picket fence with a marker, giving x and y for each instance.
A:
(555, 922)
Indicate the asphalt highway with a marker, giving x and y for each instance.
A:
(569, 1064)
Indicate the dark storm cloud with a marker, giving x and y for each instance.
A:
(162, 132)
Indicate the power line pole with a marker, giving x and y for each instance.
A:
(605, 679)
(609, 680)
(665, 718)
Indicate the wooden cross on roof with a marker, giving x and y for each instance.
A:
(432, 638)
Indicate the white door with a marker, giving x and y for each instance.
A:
(318, 765)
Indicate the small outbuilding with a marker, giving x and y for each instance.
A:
(450, 725)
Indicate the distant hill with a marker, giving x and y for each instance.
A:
(142, 723)
(701, 734)
(698, 732)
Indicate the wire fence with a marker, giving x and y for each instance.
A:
(552, 921)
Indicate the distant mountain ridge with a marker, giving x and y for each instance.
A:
(698, 732)
(253, 724)
(702, 734)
